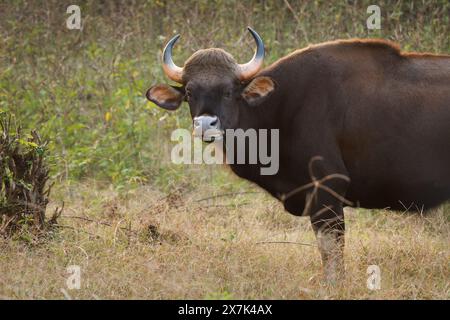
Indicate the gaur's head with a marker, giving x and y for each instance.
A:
(214, 85)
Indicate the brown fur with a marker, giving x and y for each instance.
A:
(381, 44)
(209, 62)
(360, 122)
(164, 95)
(259, 87)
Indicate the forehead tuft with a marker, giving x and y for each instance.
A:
(210, 62)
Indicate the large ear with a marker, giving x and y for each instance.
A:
(165, 96)
(258, 90)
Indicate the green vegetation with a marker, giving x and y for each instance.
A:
(84, 90)
(140, 226)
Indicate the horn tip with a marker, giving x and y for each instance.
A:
(174, 39)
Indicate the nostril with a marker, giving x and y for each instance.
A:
(213, 122)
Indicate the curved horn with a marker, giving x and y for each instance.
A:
(174, 72)
(248, 70)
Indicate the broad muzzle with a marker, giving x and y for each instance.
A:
(207, 127)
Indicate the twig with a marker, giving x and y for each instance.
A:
(226, 205)
(101, 223)
(318, 184)
(72, 228)
(227, 195)
(288, 5)
(286, 242)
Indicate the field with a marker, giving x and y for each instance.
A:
(141, 227)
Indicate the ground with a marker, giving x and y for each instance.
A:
(208, 244)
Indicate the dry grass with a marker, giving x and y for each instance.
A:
(179, 247)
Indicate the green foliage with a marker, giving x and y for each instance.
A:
(225, 295)
(84, 90)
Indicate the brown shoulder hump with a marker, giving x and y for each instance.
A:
(387, 45)
(367, 43)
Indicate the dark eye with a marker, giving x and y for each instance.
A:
(188, 94)
(228, 94)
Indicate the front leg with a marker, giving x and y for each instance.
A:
(322, 199)
(329, 226)
(325, 208)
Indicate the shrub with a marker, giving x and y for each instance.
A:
(24, 193)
